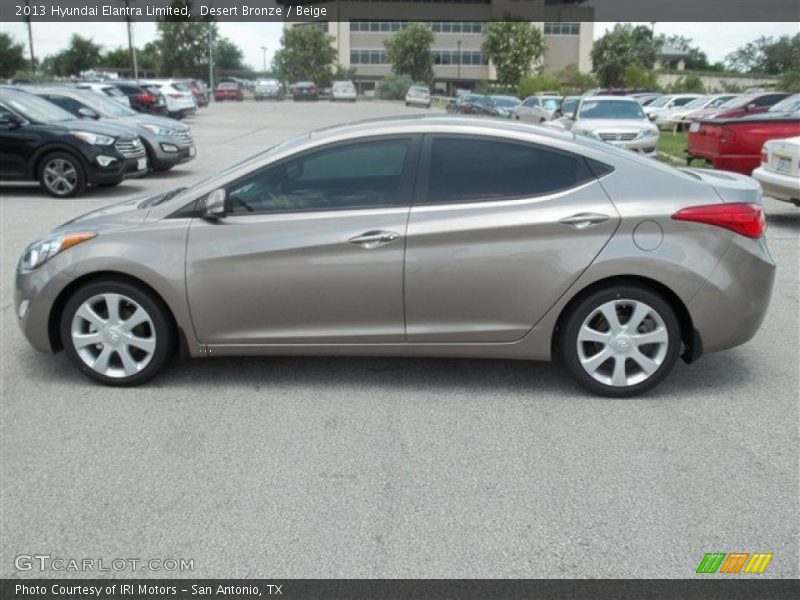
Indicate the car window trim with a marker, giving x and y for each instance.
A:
(407, 176)
(423, 177)
(19, 116)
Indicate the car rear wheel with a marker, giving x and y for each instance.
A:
(61, 175)
(620, 341)
(115, 333)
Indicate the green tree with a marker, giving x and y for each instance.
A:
(305, 54)
(767, 54)
(572, 79)
(689, 83)
(409, 51)
(638, 77)
(12, 56)
(515, 48)
(81, 55)
(790, 82)
(697, 60)
(342, 73)
(116, 59)
(621, 47)
(394, 87)
(149, 57)
(530, 84)
(228, 56)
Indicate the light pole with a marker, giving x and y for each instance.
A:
(210, 56)
(264, 50)
(131, 44)
(459, 61)
(30, 40)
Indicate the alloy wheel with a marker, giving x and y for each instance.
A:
(622, 342)
(60, 176)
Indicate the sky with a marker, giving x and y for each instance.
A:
(49, 38)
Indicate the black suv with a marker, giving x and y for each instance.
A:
(40, 141)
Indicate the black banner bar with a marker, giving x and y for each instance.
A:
(411, 10)
(730, 588)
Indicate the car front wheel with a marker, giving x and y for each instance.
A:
(116, 333)
(620, 341)
(62, 175)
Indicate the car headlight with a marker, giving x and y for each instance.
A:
(95, 139)
(41, 251)
(588, 133)
(648, 133)
(158, 130)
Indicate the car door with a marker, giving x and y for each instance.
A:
(311, 251)
(18, 142)
(498, 231)
(529, 109)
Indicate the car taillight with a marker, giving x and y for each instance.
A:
(728, 136)
(175, 95)
(764, 156)
(745, 219)
(145, 98)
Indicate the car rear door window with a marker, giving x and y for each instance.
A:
(467, 169)
(349, 176)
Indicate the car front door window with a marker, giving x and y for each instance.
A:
(365, 175)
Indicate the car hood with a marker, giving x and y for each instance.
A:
(613, 125)
(103, 128)
(110, 217)
(154, 120)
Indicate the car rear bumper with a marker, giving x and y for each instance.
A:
(730, 307)
(739, 163)
(778, 186)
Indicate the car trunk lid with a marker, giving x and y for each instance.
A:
(730, 187)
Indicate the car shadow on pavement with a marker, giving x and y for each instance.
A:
(716, 373)
(784, 220)
(33, 191)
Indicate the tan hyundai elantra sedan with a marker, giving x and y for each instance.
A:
(413, 236)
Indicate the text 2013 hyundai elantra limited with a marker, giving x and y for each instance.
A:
(423, 236)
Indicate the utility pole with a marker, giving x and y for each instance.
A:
(210, 56)
(131, 44)
(459, 61)
(30, 38)
(264, 50)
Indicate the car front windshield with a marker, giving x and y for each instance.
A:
(569, 106)
(660, 101)
(790, 104)
(738, 102)
(36, 109)
(698, 102)
(104, 106)
(505, 101)
(611, 109)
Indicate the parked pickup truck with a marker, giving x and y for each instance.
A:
(735, 144)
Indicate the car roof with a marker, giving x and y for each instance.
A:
(422, 123)
(610, 98)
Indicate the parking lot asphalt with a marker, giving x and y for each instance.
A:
(379, 467)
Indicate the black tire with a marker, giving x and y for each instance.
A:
(163, 330)
(573, 320)
(79, 185)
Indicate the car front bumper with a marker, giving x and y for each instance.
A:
(646, 146)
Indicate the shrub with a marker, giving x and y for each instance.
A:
(531, 84)
(394, 87)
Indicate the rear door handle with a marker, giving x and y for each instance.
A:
(584, 220)
(373, 239)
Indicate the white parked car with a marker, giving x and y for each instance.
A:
(779, 173)
(418, 95)
(343, 90)
(618, 120)
(679, 118)
(668, 102)
(179, 97)
(537, 109)
(107, 89)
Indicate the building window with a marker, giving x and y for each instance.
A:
(461, 27)
(321, 25)
(368, 57)
(562, 28)
(451, 57)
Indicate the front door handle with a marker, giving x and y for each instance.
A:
(584, 220)
(373, 239)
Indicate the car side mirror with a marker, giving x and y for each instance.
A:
(87, 113)
(216, 205)
(10, 119)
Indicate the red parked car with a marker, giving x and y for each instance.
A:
(735, 144)
(228, 91)
(741, 106)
